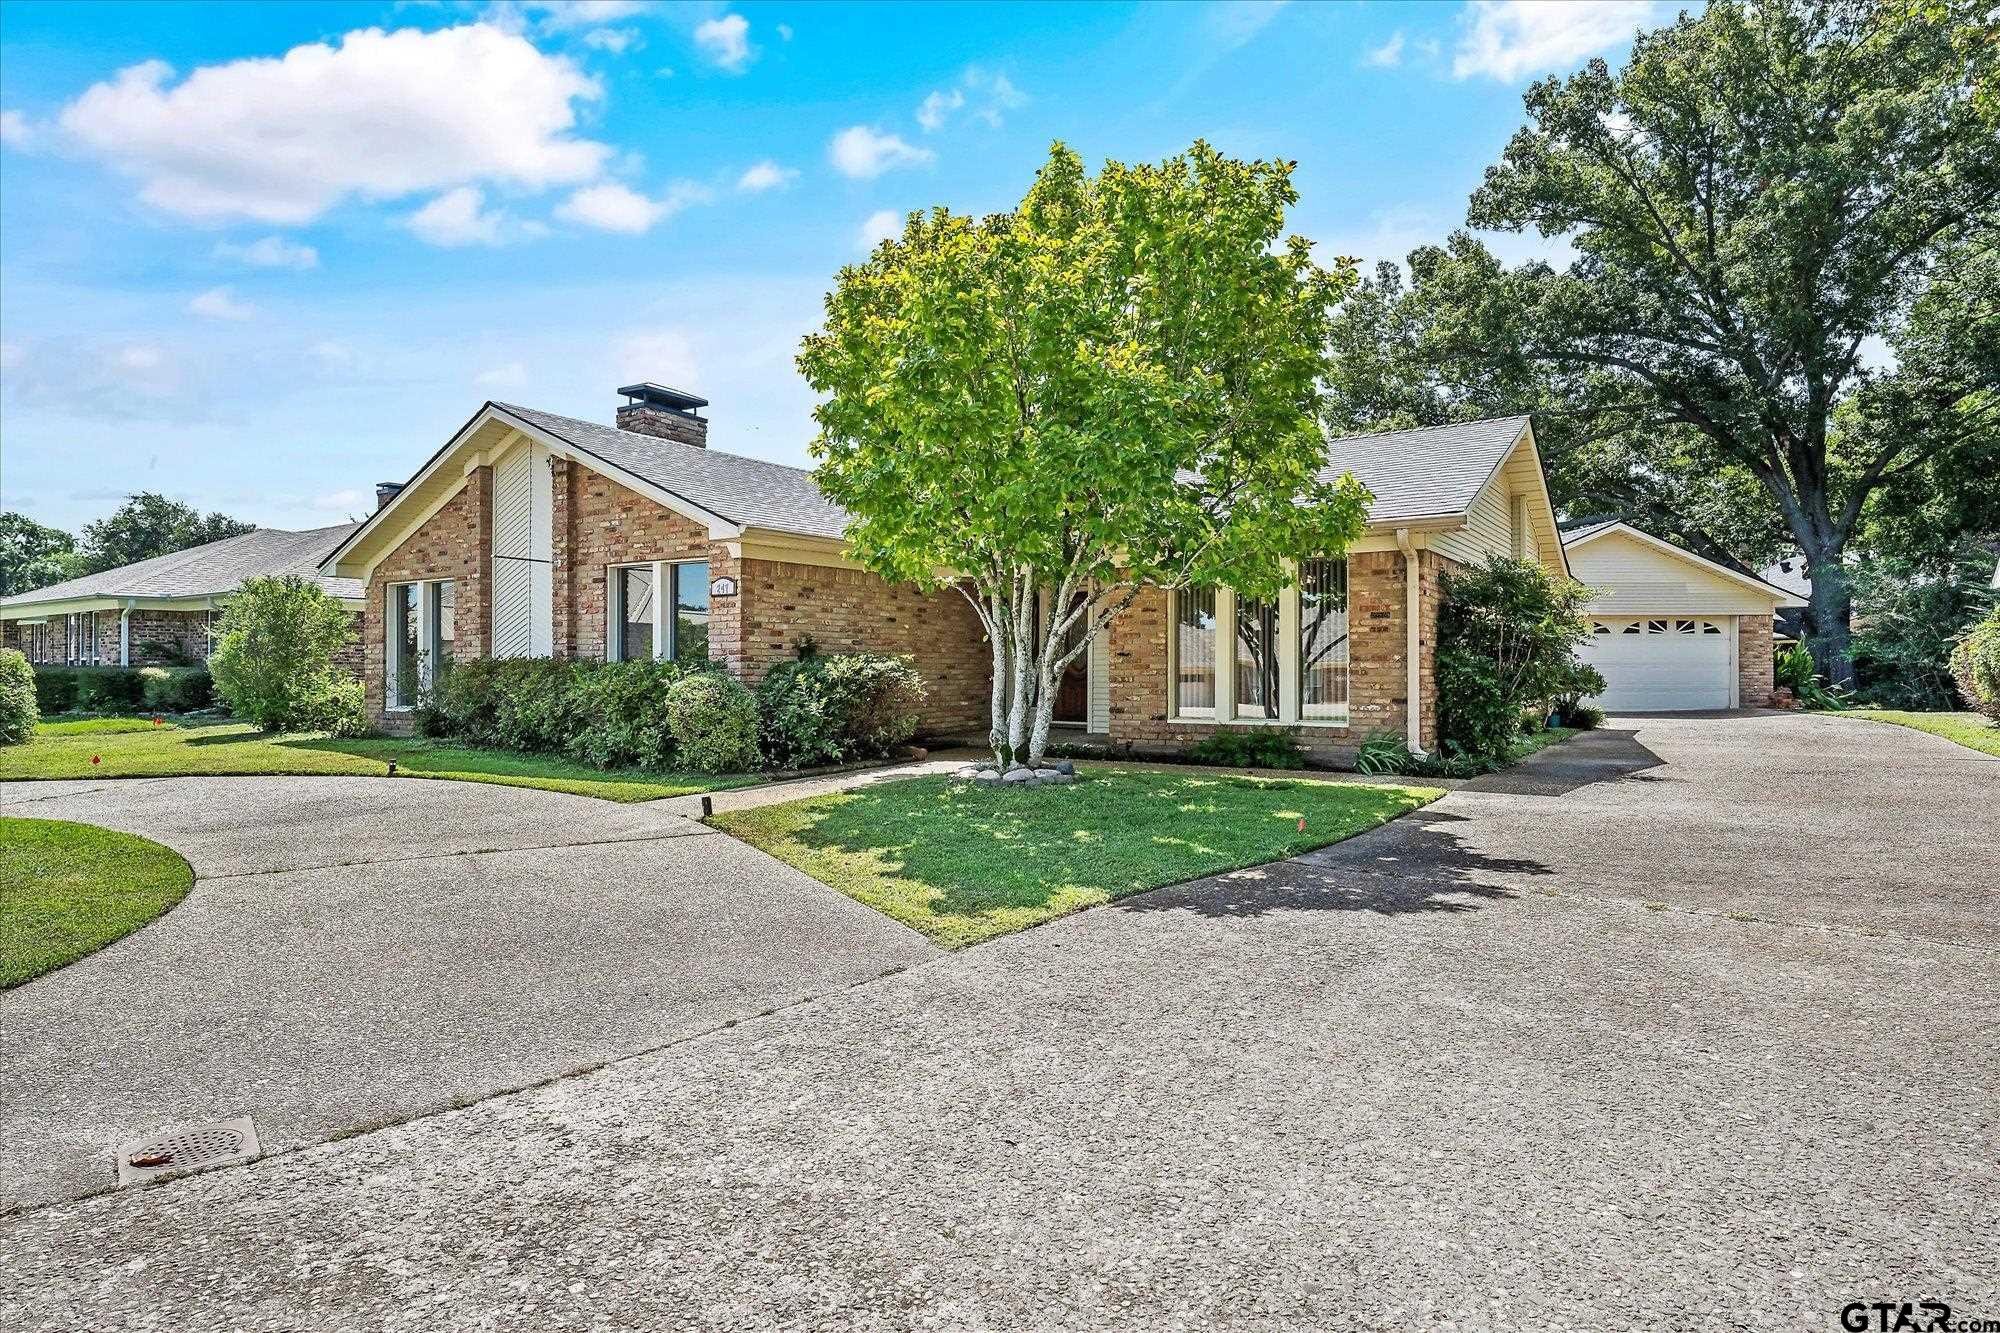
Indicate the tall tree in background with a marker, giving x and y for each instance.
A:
(1761, 198)
(149, 524)
(33, 555)
(1115, 384)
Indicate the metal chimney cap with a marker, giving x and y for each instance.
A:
(661, 395)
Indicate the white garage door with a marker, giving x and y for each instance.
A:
(1661, 666)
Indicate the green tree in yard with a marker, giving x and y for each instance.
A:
(149, 524)
(33, 555)
(1507, 637)
(1114, 384)
(274, 658)
(1763, 192)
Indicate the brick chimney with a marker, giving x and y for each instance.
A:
(386, 491)
(654, 409)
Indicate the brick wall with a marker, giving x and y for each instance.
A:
(157, 636)
(850, 610)
(1378, 679)
(1754, 679)
(597, 524)
(451, 544)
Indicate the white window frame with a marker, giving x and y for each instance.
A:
(666, 606)
(427, 648)
(1225, 666)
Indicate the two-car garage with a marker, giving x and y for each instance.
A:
(1671, 631)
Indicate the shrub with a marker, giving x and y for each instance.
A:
(516, 703)
(18, 710)
(1975, 665)
(177, 689)
(1793, 669)
(1909, 613)
(1258, 747)
(55, 689)
(274, 658)
(827, 709)
(110, 689)
(1584, 717)
(1507, 638)
(1386, 753)
(714, 721)
(622, 711)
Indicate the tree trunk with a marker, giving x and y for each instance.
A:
(1828, 617)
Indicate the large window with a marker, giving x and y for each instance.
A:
(659, 609)
(1256, 658)
(1287, 658)
(405, 623)
(1194, 652)
(419, 620)
(1323, 641)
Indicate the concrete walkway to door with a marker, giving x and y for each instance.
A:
(359, 950)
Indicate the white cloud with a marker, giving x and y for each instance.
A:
(458, 217)
(864, 153)
(561, 15)
(615, 40)
(1512, 39)
(766, 175)
(990, 96)
(333, 355)
(1389, 54)
(15, 131)
(664, 356)
(63, 376)
(219, 303)
(937, 107)
(271, 252)
(784, 32)
(513, 375)
(726, 41)
(614, 207)
(879, 227)
(381, 115)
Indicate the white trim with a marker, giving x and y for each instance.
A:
(1413, 708)
(1290, 663)
(1783, 598)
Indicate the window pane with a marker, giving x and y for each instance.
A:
(1323, 643)
(1194, 650)
(403, 624)
(444, 625)
(635, 602)
(1256, 658)
(691, 611)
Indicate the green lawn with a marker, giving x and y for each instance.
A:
(963, 863)
(1541, 740)
(127, 747)
(70, 889)
(1973, 731)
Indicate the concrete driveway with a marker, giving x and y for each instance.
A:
(357, 950)
(1512, 1063)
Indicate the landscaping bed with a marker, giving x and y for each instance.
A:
(139, 747)
(70, 889)
(963, 862)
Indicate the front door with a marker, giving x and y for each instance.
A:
(1072, 706)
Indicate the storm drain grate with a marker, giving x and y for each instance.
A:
(187, 1148)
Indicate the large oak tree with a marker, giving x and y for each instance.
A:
(1761, 201)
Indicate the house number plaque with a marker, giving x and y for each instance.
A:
(722, 587)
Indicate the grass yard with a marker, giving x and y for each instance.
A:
(134, 747)
(70, 889)
(963, 863)
(1542, 740)
(1972, 730)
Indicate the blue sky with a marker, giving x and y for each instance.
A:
(261, 256)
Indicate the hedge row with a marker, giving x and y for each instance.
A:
(65, 689)
(665, 715)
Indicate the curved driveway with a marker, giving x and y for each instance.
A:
(1686, 1025)
(362, 949)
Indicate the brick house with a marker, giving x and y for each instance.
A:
(162, 611)
(533, 534)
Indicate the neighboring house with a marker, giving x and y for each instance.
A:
(532, 534)
(1670, 630)
(162, 611)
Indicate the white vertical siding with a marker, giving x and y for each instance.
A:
(523, 587)
(1631, 576)
(1099, 716)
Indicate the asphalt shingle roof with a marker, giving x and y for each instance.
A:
(204, 571)
(746, 491)
(1429, 471)
(1418, 473)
